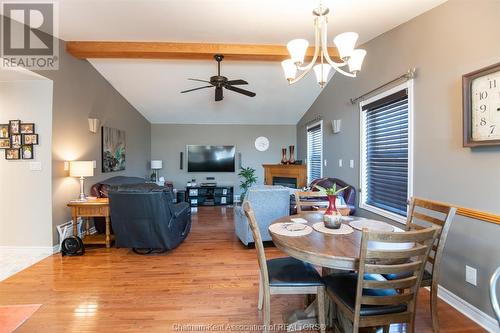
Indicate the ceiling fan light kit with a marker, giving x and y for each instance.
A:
(219, 82)
(345, 43)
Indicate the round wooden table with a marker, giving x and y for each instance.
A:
(331, 251)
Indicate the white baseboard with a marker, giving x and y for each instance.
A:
(41, 249)
(469, 310)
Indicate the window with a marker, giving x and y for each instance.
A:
(314, 151)
(387, 152)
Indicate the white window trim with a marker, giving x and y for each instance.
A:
(320, 123)
(362, 170)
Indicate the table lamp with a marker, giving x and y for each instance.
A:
(156, 165)
(81, 169)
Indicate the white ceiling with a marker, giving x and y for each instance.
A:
(153, 86)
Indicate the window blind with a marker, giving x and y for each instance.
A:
(386, 153)
(314, 152)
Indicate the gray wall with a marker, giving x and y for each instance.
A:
(453, 39)
(81, 92)
(168, 140)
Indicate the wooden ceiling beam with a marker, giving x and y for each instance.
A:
(187, 51)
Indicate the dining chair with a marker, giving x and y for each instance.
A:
(421, 214)
(365, 297)
(309, 199)
(284, 276)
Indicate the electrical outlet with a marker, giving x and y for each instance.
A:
(471, 275)
(351, 164)
(340, 163)
(325, 162)
(36, 166)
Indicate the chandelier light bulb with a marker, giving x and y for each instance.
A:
(345, 43)
(289, 69)
(356, 60)
(297, 49)
(322, 71)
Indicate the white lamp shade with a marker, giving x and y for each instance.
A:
(81, 169)
(156, 164)
(345, 43)
(297, 49)
(322, 71)
(289, 69)
(356, 60)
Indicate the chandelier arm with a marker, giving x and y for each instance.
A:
(315, 56)
(324, 48)
(338, 69)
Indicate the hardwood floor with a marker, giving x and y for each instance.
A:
(211, 279)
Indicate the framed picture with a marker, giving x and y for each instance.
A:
(4, 131)
(12, 154)
(27, 128)
(14, 126)
(4, 143)
(113, 149)
(15, 141)
(27, 152)
(30, 139)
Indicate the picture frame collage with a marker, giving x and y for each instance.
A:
(18, 140)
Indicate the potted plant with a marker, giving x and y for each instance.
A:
(249, 178)
(332, 217)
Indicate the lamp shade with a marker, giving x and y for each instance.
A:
(345, 43)
(322, 71)
(156, 164)
(289, 69)
(81, 168)
(356, 60)
(297, 49)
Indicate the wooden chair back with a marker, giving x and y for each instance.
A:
(259, 246)
(422, 214)
(405, 259)
(309, 199)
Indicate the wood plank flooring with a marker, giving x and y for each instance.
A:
(211, 279)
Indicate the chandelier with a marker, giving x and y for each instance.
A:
(345, 43)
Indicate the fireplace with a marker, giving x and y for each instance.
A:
(285, 181)
(289, 175)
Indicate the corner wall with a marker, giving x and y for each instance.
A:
(455, 38)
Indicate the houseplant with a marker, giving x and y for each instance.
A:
(332, 217)
(248, 179)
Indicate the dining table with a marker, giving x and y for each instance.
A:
(332, 252)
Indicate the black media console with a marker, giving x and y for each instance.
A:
(209, 195)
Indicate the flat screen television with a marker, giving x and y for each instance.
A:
(203, 158)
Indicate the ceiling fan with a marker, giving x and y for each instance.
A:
(220, 82)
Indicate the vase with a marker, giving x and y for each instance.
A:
(292, 155)
(332, 218)
(283, 156)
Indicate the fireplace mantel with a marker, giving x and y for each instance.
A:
(297, 172)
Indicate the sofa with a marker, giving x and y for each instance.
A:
(144, 216)
(269, 203)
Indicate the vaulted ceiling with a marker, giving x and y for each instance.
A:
(153, 86)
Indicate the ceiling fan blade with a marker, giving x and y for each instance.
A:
(218, 94)
(241, 91)
(200, 80)
(236, 82)
(185, 91)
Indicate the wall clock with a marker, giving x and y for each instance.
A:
(481, 107)
(262, 143)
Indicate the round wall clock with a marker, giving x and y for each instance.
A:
(262, 143)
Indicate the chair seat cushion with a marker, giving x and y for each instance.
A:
(426, 279)
(291, 272)
(344, 286)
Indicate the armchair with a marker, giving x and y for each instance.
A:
(145, 217)
(269, 203)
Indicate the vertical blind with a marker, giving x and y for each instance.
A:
(314, 152)
(386, 153)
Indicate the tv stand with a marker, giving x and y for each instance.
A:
(209, 195)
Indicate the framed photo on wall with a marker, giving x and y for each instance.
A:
(27, 128)
(12, 154)
(14, 127)
(30, 139)
(113, 149)
(27, 152)
(16, 141)
(4, 131)
(4, 143)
